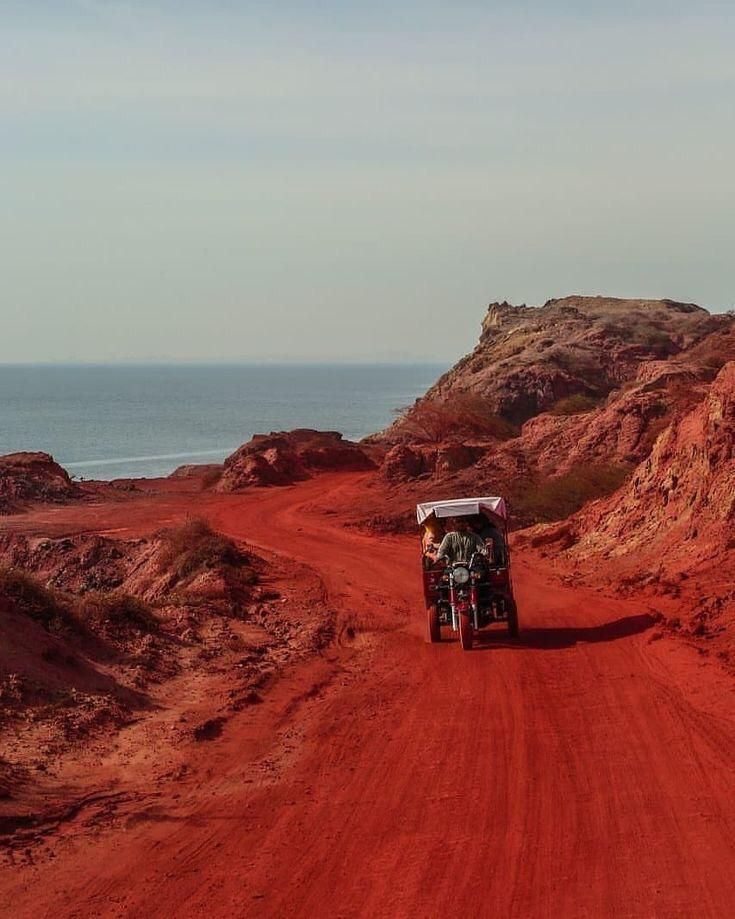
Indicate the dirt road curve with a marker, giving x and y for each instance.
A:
(585, 771)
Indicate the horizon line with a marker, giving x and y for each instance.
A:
(163, 362)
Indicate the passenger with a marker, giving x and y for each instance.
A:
(431, 538)
(493, 539)
(460, 543)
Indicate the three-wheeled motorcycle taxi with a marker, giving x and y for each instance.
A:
(467, 594)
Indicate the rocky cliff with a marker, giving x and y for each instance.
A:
(528, 359)
(670, 530)
(679, 504)
(558, 404)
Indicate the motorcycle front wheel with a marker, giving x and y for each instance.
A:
(465, 632)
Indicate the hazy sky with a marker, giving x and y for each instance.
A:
(227, 180)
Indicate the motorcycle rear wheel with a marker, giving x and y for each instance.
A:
(513, 625)
(465, 632)
(433, 626)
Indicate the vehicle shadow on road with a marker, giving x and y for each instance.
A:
(549, 639)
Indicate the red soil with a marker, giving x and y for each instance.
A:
(584, 771)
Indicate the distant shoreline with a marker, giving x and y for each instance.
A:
(121, 421)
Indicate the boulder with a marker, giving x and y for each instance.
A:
(287, 457)
(33, 477)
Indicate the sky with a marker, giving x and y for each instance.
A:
(226, 181)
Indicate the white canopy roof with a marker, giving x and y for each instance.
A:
(461, 507)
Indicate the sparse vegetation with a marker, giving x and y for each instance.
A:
(194, 546)
(210, 478)
(549, 499)
(11, 689)
(97, 610)
(27, 596)
(654, 338)
(513, 345)
(461, 415)
(578, 361)
(578, 404)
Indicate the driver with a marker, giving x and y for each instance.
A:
(460, 543)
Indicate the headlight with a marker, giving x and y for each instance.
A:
(461, 575)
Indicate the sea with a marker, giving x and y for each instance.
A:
(109, 422)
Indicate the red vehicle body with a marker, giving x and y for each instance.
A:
(471, 594)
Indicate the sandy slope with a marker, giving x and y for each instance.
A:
(586, 771)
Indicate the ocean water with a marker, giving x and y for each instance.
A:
(108, 422)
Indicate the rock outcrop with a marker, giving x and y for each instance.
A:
(669, 531)
(557, 404)
(528, 359)
(402, 463)
(29, 477)
(680, 502)
(287, 457)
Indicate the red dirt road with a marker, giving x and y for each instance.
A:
(584, 771)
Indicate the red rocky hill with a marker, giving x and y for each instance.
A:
(670, 530)
(557, 404)
(680, 502)
(530, 358)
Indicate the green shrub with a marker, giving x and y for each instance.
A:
(544, 500)
(577, 404)
(457, 415)
(655, 339)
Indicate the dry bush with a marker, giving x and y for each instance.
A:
(716, 350)
(657, 340)
(11, 689)
(118, 609)
(514, 344)
(460, 415)
(193, 547)
(577, 404)
(549, 499)
(643, 332)
(575, 360)
(210, 478)
(27, 596)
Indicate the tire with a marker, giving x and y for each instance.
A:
(433, 626)
(465, 632)
(513, 625)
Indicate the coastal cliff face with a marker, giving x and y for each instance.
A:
(530, 358)
(557, 404)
